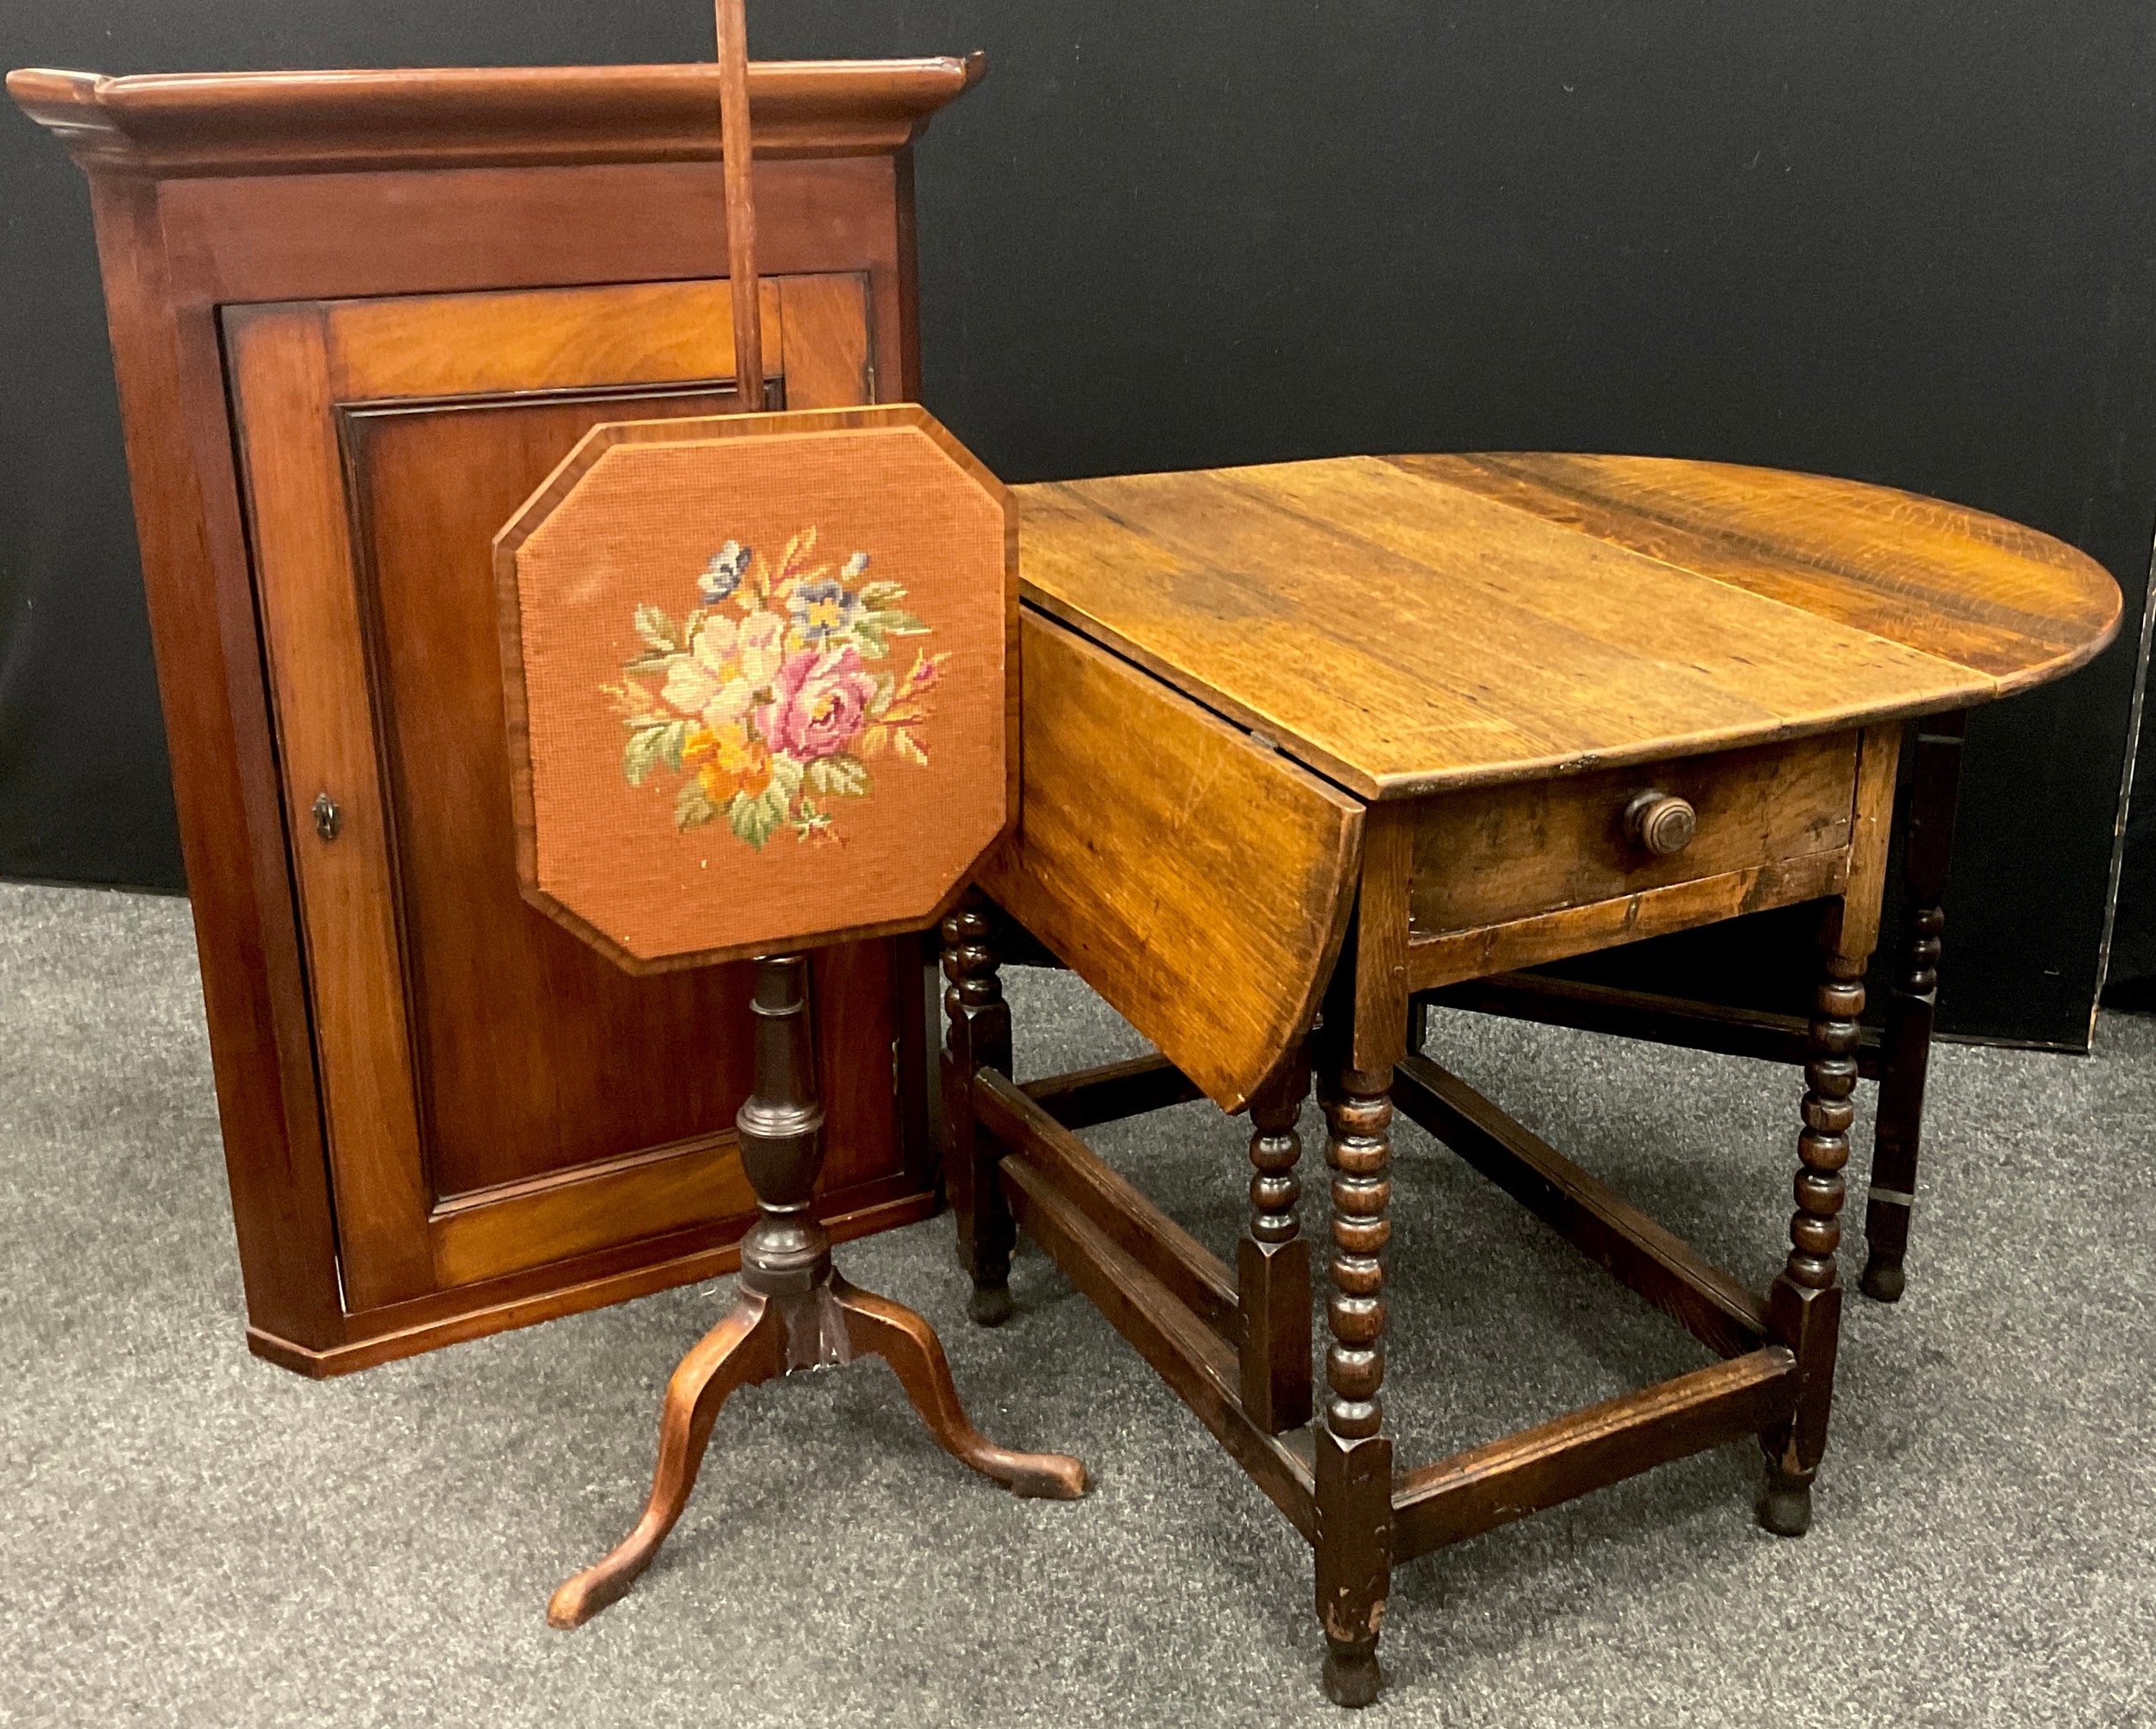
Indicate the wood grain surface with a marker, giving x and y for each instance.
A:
(176, 124)
(1447, 960)
(1409, 625)
(1199, 881)
(623, 333)
(1491, 853)
(1975, 589)
(1870, 837)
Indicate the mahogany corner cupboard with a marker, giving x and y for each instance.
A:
(357, 317)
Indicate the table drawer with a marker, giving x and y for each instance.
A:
(1767, 825)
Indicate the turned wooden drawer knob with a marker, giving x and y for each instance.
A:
(1661, 822)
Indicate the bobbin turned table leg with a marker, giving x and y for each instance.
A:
(1804, 1303)
(977, 1035)
(1354, 1455)
(793, 1311)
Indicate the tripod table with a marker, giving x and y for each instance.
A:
(1302, 741)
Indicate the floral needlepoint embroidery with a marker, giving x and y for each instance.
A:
(823, 610)
(767, 697)
(723, 576)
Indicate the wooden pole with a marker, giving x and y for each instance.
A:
(736, 140)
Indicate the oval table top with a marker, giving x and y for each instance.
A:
(1410, 623)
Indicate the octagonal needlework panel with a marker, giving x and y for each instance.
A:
(760, 680)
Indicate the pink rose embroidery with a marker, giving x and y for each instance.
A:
(818, 703)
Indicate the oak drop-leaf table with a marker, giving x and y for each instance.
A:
(1303, 740)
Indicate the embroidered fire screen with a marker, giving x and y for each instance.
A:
(761, 678)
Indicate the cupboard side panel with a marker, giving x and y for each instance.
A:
(203, 623)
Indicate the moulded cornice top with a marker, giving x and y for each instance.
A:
(194, 123)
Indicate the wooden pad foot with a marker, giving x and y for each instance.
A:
(1883, 1281)
(1351, 1675)
(990, 1305)
(1785, 1503)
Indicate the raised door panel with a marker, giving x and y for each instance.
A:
(498, 1096)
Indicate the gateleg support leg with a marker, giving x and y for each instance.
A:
(1905, 1056)
(1273, 1260)
(977, 1034)
(1905, 1050)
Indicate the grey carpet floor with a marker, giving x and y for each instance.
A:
(189, 1536)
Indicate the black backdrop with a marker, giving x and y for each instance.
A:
(1911, 242)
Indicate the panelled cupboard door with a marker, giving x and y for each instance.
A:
(497, 1095)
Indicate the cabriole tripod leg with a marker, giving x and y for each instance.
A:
(879, 1327)
(746, 1347)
